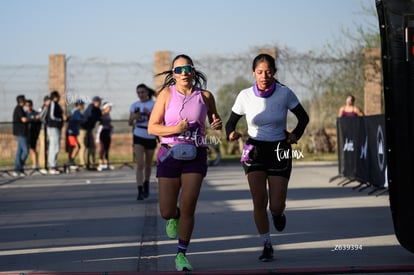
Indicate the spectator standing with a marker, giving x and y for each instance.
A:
(43, 143)
(54, 120)
(72, 132)
(103, 137)
(92, 115)
(33, 130)
(144, 143)
(20, 134)
(349, 109)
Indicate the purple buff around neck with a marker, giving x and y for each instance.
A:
(267, 92)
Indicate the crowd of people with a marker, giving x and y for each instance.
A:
(40, 132)
(176, 120)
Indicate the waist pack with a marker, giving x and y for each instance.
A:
(247, 148)
(181, 152)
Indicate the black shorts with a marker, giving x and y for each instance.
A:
(32, 142)
(274, 158)
(149, 144)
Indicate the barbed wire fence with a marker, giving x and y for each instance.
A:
(112, 80)
(30, 80)
(310, 75)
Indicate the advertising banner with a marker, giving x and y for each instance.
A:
(361, 149)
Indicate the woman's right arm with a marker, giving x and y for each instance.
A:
(231, 132)
(156, 125)
(132, 117)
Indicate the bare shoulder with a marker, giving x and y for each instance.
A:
(164, 95)
(207, 94)
(359, 111)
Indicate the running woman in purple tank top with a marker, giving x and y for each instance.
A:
(178, 117)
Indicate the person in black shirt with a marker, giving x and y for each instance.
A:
(20, 133)
(33, 130)
(54, 131)
(92, 115)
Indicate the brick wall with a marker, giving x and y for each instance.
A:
(373, 82)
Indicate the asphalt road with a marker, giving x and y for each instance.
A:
(89, 221)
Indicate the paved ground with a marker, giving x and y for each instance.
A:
(90, 222)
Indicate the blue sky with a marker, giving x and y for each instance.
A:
(132, 29)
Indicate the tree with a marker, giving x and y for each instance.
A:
(335, 71)
(226, 96)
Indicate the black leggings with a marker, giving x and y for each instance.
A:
(105, 143)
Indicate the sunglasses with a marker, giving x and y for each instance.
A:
(187, 69)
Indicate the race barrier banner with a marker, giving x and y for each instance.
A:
(396, 25)
(361, 149)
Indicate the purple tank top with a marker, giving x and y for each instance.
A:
(191, 107)
(349, 114)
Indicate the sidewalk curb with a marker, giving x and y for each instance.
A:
(281, 271)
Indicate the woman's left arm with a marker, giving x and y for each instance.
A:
(213, 116)
(359, 112)
(303, 120)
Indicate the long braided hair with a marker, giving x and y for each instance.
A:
(199, 78)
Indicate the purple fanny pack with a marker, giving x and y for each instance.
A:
(246, 151)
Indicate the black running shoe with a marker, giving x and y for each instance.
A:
(279, 221)
(267, 254)
(140, 194)
(146, 189)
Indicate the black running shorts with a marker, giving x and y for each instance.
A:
(275, 158)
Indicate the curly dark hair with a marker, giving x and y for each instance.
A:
(199, 80)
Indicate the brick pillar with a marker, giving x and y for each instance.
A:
(57, 77)
(162, 62)
(271, 52)
(372, 81)
(57, 82)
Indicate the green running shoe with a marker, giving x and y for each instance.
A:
(181, 263)
(172, 228)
